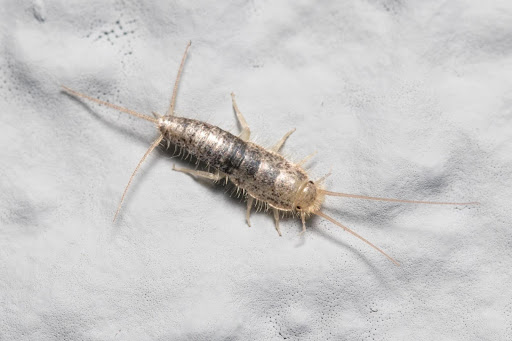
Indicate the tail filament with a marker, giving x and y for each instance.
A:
(153, 146)
(110, 105)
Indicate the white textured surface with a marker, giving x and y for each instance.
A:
(402, 99)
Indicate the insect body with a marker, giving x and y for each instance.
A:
(263, 174)
(266, 175)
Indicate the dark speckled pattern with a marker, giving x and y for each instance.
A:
(265, 175)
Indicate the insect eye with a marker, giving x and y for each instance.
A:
(298, 207)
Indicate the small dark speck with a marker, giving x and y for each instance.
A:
(39, 11)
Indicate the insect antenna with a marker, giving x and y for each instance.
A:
(153, 146)
(323, 215)
(110, 105)
(356, 196)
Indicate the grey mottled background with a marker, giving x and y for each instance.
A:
(409, 99)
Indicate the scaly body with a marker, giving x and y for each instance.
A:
(263, 174)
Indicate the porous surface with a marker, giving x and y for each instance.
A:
(401, 99)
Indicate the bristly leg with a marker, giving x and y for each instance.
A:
(202, 174)
(306, 159)
(246, 131)
(276, 218)
(281, 142)
(250, 200)
(303, 219)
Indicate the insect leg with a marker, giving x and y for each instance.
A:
(170, 112)
(324, 177)
(306, 159)
(246, 131)
(276, 218)
(207, 175)
(280, 143)
(250, 201)
(303, 219)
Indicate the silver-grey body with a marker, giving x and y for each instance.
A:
(262, 173)
(265, 175)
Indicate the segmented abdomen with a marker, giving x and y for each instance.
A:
(265, 175)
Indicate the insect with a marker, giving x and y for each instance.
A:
(264, 175)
